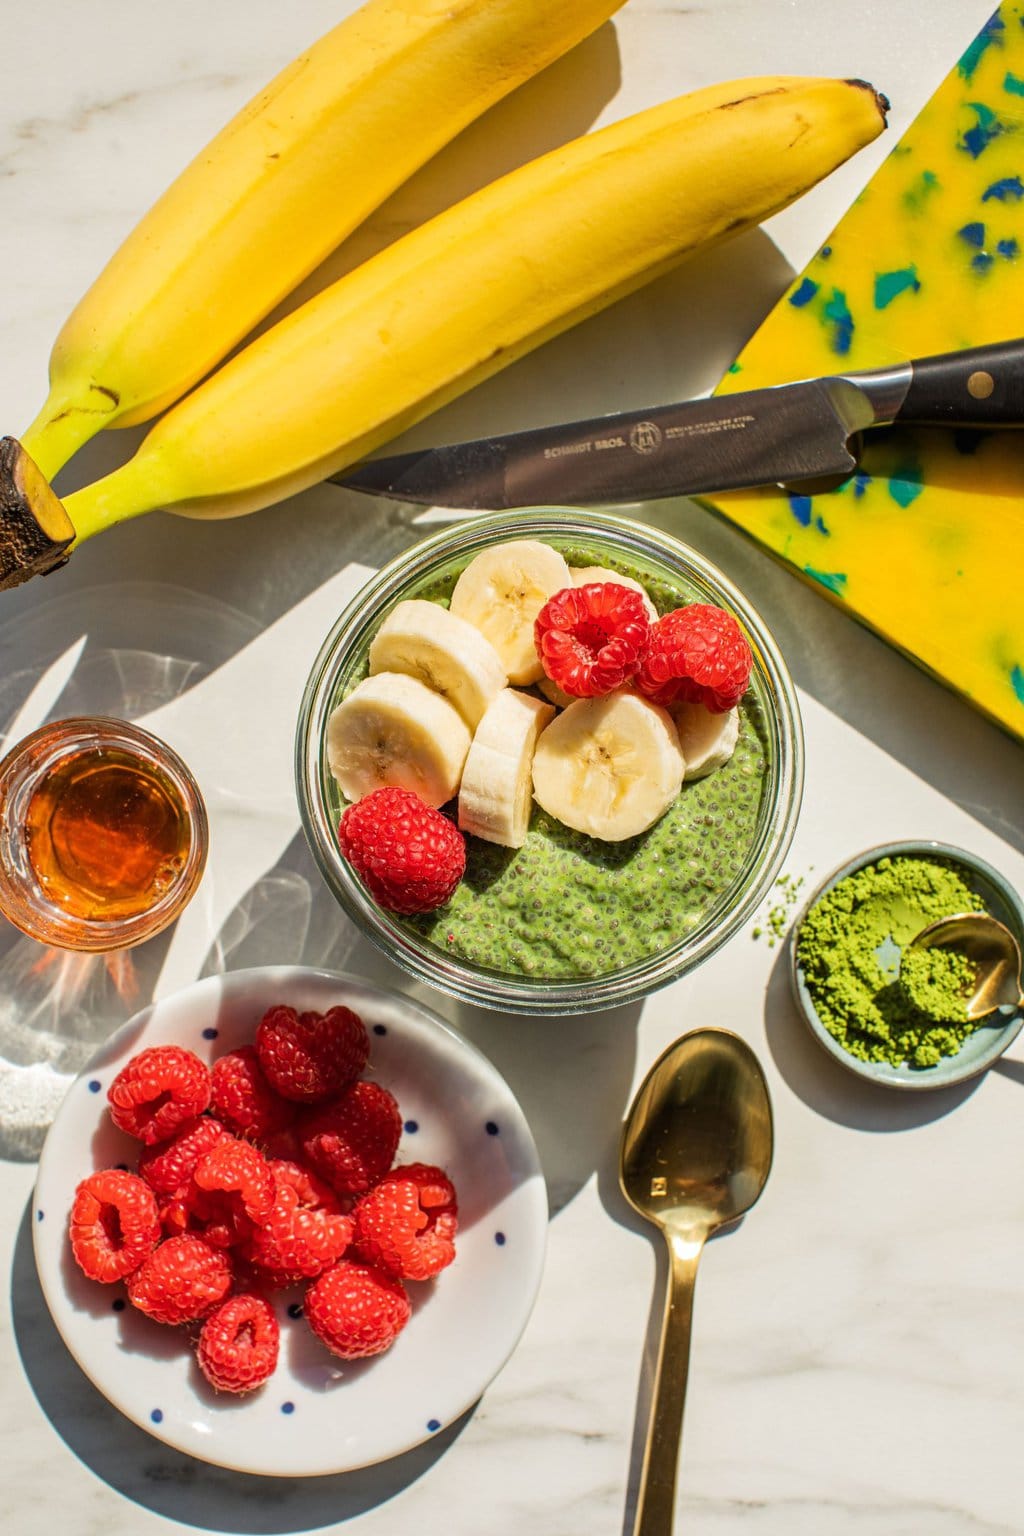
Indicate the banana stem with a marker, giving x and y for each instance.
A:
(60, 429)
(124, 493)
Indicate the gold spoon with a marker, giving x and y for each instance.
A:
(991, 948)
(695, 1154)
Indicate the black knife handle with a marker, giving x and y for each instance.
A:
(979, 387)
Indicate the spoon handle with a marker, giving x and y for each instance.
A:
(655, 1506)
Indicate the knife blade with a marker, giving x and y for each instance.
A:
(782, 435)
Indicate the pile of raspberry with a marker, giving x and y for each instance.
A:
(271, 1169)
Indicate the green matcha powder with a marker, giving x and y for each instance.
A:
(881, 1006)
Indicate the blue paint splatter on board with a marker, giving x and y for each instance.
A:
(905, 484)
(982, 261)
(974, 52)
(800, 506)
(860, 484)
(1017, 680)
(975, 140)
(1008, 249)
(804, 294)
(915, 196)
(835, 581)
(973, 233)
(1009, 189)
(838, 315)
(889, 285)
(1013, 84)
(819, 523)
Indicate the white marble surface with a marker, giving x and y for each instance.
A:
(857, 1348)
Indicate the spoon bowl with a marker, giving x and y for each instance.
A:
(993, 951)
(695, 1154)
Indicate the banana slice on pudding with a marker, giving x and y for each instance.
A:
(501, 592)
(445, 652)
(583, 575)
(496, 794)
(609, 767)
(707, 741)
(393, 730)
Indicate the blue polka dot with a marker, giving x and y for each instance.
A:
(380, 1029)
(210, 1034)
(39, 1215)
(491, 1128)
(118, 1306)
(95, 1085)
(287, 1407)
(499, 1238)
(433, 1425)
(412, 1126)
(295, 1309)
(157, 1415)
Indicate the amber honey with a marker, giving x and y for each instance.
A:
(102, 834)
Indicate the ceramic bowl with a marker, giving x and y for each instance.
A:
(316, 1414)
(981, 1048)
(594, 539)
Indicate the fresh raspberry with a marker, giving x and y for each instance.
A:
(406, 1224)
(352, 1141)
(168, 1166)
(114, 1224)
(698, 654)
(591, 639)
(239, 1171)
(356, 1310)
(238, 1344)
(158, 1091)
(305, 1232)
(180, 1281)
(308, 1057)
(409, 856)
(244, 1100)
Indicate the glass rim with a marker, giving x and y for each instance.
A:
(505, 991)
(28, 910)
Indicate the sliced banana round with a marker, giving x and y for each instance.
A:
(608, 767)
(393, 730)
(501, 592)
(707, 741)
(555, 695)
(582, 575)
(446, 653)
(496, 794)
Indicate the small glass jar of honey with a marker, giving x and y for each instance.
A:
(103, 835)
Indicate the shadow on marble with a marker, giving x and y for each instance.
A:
(178, 1487)
(828, 1089)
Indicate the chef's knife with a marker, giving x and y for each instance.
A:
(783, 435)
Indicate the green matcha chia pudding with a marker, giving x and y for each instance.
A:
(569, 919)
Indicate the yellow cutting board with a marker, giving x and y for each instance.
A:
(926, 542)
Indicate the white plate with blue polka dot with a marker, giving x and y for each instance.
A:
(316, 1414)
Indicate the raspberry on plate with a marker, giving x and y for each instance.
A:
(238, 1344)
(168, 1166)
(114, 1224)
(353, 1140)
(591, 639)
(305, 1232)
(407, 1222)
(307, 1057)
(180, 1281)
(696, 654)
(243, 1098)
(356, 1309)
(239, 1170)
(409, 856)
(157, 1091)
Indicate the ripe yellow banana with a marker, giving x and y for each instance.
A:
(457, 299)
(296, 171)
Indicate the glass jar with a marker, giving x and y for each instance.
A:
(593, 539)
(103, 835)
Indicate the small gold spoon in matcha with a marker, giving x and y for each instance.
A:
(696, 1150)
(993, 951)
